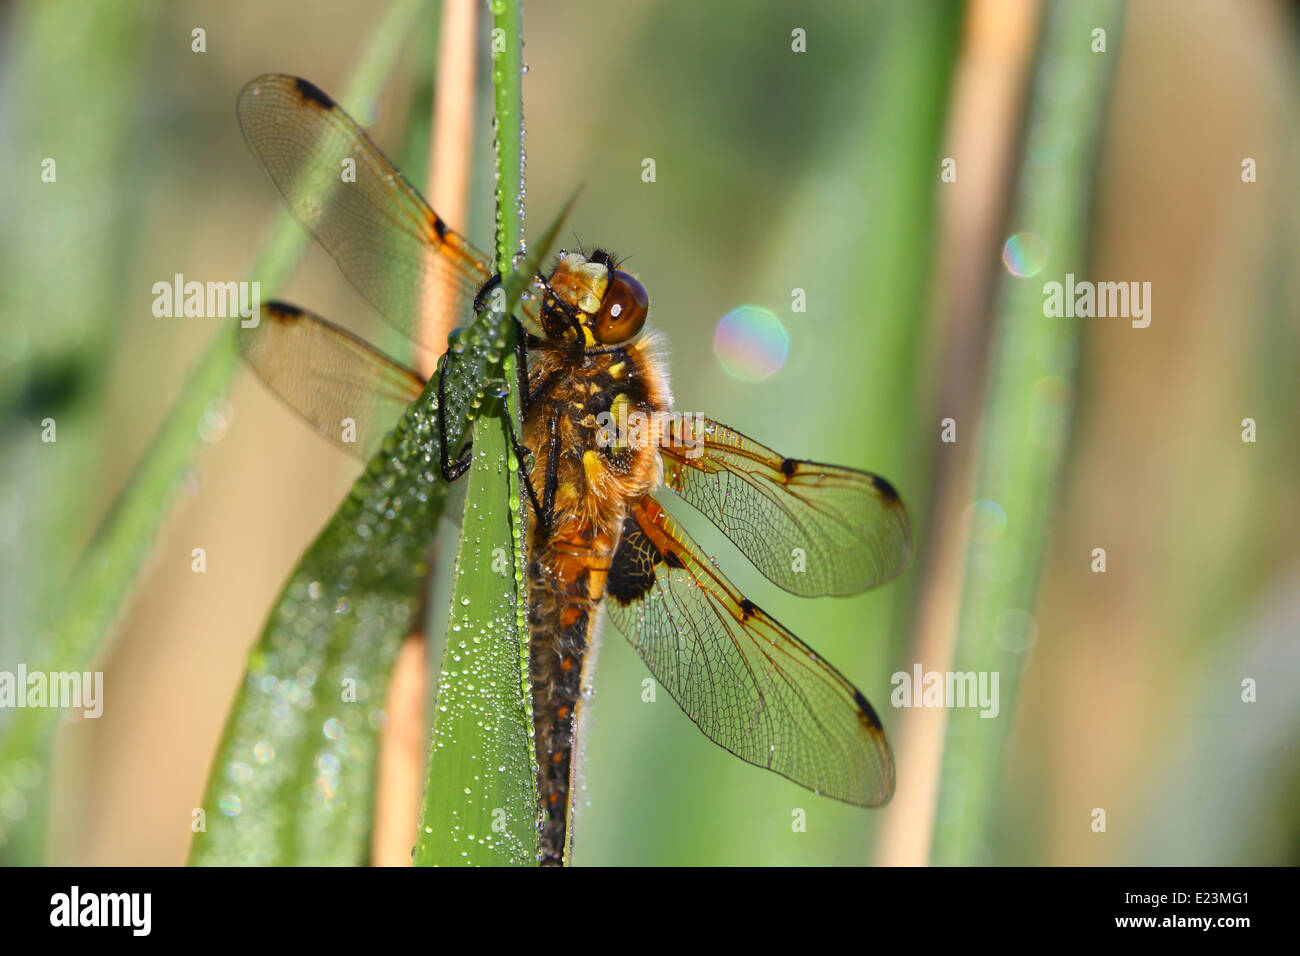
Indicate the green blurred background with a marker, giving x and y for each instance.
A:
(775, 170)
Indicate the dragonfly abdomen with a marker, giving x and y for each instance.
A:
(566, 583)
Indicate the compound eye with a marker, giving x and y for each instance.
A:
(623, 310)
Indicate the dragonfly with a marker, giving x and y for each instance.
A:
(600, 540)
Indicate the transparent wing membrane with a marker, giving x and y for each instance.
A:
(349, 392)
(748, 683)
(811, 528)
(396, 251)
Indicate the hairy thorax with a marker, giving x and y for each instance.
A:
(599, 472)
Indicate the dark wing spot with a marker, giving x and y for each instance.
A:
(672, 560)
(310, 91)
(439, 227)
(747, 608)
(283, 310)
(885, 488)
(867, 710)
(788, 466)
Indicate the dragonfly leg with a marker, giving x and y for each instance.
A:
(451, 470)
(529, 397)
(542, 388)
(526, 401)
(521, 455)
(552, 467)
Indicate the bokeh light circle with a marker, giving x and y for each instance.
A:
(1015, 630)
(751, 343)
(1024, 254)
(986, 519)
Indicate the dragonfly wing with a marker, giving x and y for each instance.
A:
(349, 393)
(396, 251)
(813, 529)
(747, 682)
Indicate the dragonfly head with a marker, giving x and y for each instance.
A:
(609, 305)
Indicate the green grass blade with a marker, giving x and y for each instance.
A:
(480, 801)
(1025, 426)
(508, 117)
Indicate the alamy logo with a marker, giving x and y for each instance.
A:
(208, 300)
(1086, 300)
(102, 909)
(68, 690)
(624, 428)
(946, 689)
